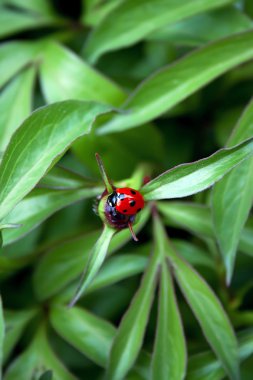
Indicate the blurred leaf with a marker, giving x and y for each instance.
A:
(188, 179)
(15, 323)
(91, 335)
(43, 7)
(193, 254)
(65, 76)
(130, 335)
(57, 126)
(120, 148)
(169, 356)
(13, 21)
(48, 375)
(95, 260)
(191, 216)
(38, 358)
(38, 205)
(93, 14)
(15, 55)
(68, 259)
(233, 197)
(205, 366)
(59, 178)
(2, 336)
(203, 28)
(174, 83)
(15, 104)
(131, 21)
(209, 313)
(196, 218)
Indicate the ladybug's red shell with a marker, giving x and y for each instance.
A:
(128, 201)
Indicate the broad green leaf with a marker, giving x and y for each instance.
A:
(13, 21)
(203, 28)
(188, 179)
(132, 20)
(90, 335)
(169, 356)
(130, 335)
(197, 219)
(37, 359)
(93, 15)
(49, 131)
(14, 56)
(38, 205)
(15, 104)
(233, 197)
(95, 260)
(68, 259)
(2, 336)
(174, 83)
(205, 366)
(65, 76)
(59, 178)
(15, 323)
(209, 313)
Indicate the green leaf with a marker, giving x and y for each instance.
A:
(193, 254)
(65, 76)
(66, 267)
(57, 126)
(131, 21)
(95, 260)
(209, 313)
(169, 356)
(38, 6)
(13, 21)
(90, 335)
(188, 179)
(174, 83)
(233, 196)
(130, 335)
(15, 104)
(14, 56)
(205, 366)
(48, 375)
(15, 323)
(203, 28)
(38, 205)
(38, 358)
(2, 336)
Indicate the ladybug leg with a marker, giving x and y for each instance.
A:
(132, 231)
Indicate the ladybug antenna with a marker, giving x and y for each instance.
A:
(132, 231)
(107, 181)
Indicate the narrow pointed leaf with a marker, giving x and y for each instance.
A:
(64, 76)
(90, 335)
(95, 260)
(38, 205)
(209, 313)
(174, 83)
(188, 179)
(130, 335)
(132, 20)
(15, 104)
(233, 196)
(169, 356)
(24, 164)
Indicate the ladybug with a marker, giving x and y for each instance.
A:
(126, 201)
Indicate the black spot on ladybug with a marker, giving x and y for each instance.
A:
(132, 203)
(124, 210)
(133, 192)
(139, 209)
(121, 196)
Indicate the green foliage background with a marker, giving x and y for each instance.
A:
(150, 85)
